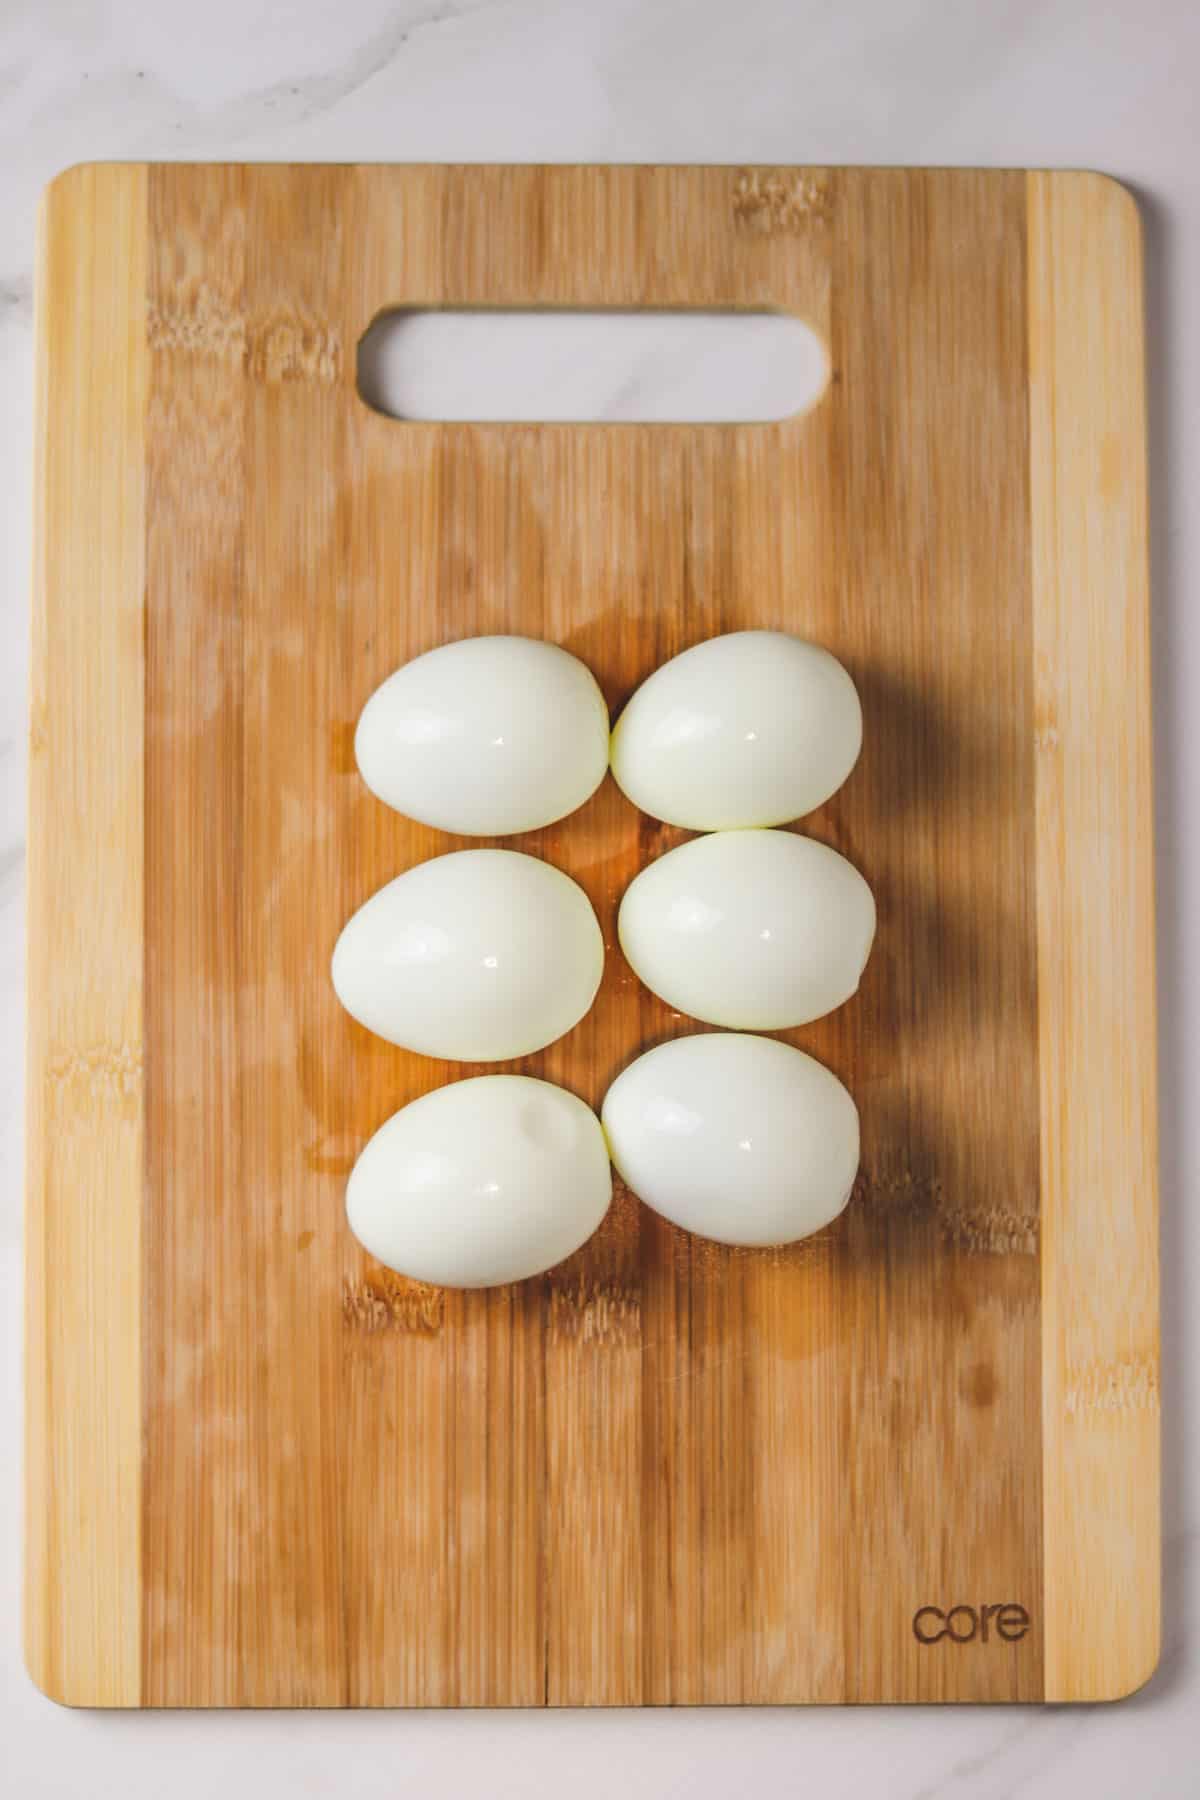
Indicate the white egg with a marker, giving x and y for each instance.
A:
(479, 956)
(481, 1182)
(741, 1139)
(754, 728)
(757, 930)
(486, 737)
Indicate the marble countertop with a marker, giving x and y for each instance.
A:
(1038, 82)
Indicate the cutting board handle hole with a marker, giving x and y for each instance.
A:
(605, 367)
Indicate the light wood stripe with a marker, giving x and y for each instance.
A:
(1095, 938)
(85, 1145)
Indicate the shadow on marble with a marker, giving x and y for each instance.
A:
(1167, 626)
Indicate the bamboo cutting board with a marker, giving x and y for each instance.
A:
(914, 1458)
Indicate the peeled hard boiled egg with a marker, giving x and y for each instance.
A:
(481, 1182)
(479, 956)
(754, 728)
(485, 737)
(741, 1139)
(758, 930)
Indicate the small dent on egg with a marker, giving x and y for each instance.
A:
(546, 1126)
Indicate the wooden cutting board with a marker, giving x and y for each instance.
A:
(915, 1458)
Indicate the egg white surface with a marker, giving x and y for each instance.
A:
(481, 1182)
(753, 728)
(479, 956)
(741, 1139)
(754, 930)
(485, 737)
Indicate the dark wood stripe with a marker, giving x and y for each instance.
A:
(204, 1420)
(941, 1292)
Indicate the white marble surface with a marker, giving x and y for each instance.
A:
(1064, 82)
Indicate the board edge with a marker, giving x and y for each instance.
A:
(1095, 939)
(82, 1592)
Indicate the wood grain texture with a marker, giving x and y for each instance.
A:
(938, 1301)
(667, 1472)
(1100, 1355)
(86, 1111)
